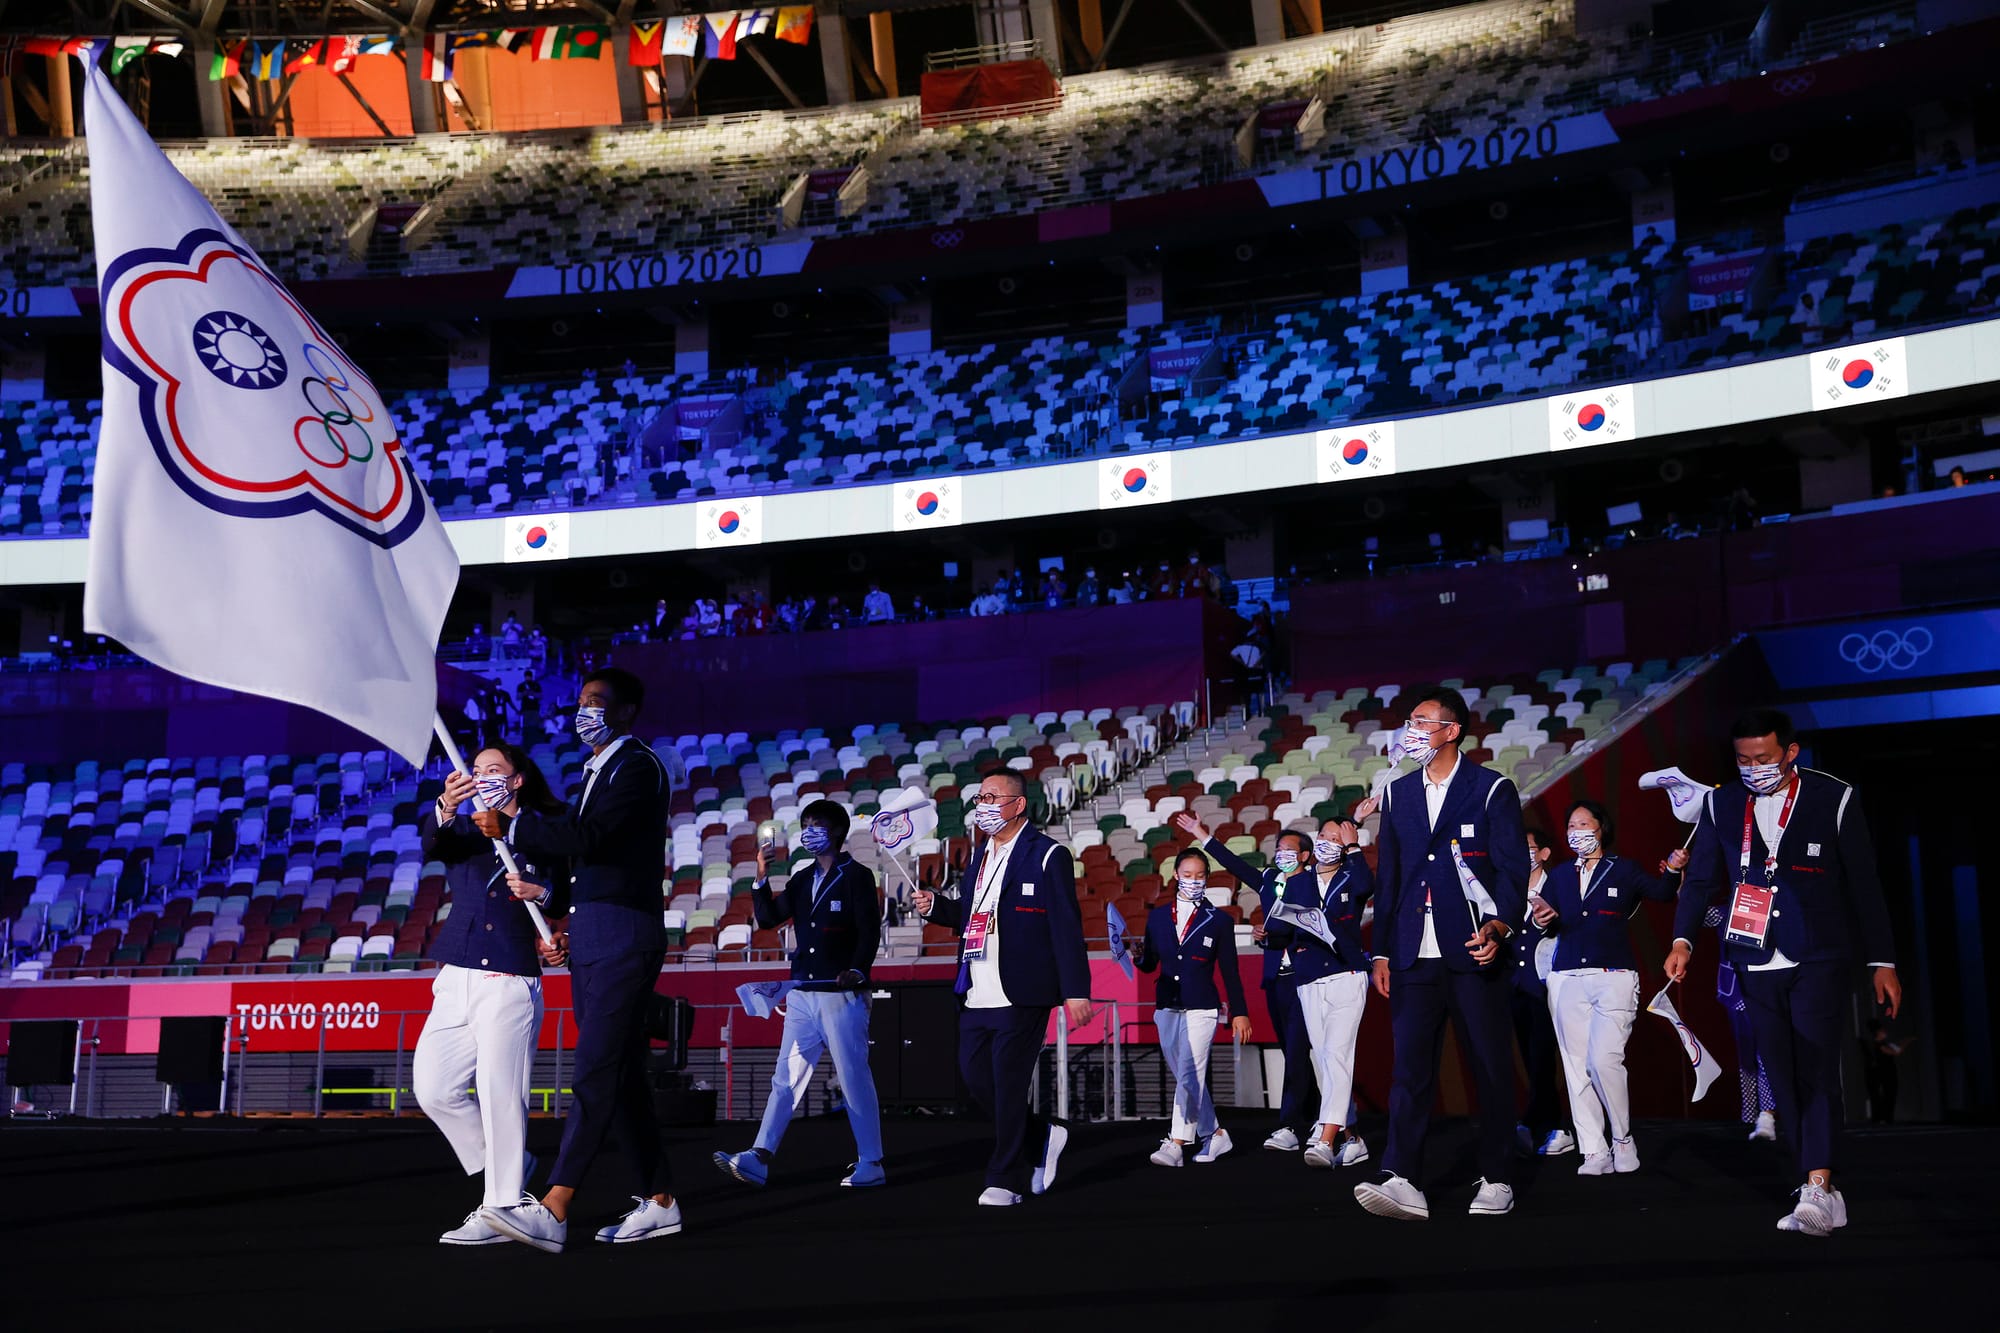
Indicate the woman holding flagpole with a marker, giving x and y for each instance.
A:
(1585, 904)
(486, 1003)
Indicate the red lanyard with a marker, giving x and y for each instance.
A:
(1194, 914)
(1750, 823)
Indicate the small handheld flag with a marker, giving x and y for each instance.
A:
(1706, 1067)
(1114, 925)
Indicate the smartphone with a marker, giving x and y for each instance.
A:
(770, 836)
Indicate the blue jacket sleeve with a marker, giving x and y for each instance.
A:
(1509, 850)
(604, 831)
(1148, 956)
(1225, 959)
(1706, 874)
(454, 842)
(1234, 864)
(1066, 923)
(864, 910)
(1389, 875)
(772, 909)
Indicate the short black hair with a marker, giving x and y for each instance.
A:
(1302, 841)
(1535, 831)
(626, 688)
(1754, 722)
(1606, 830)
(1446, 698)
(1020, 783)
(1336, 820)
(1191, 852)
(831, 814)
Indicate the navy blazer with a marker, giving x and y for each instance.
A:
(837, 919)
(489, 929)
(1829, 903)
(1188, 967)
(1482, 811)
(1591, 932)
(1527, 937)
(1275, 959)
(615, 843)
(1043, 960)
(1352, 885)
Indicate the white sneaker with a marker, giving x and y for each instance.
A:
(1321, 1154)
(1167, 1154)
(1596, 1164)
(1045, 1174)
(1624, 1156)
(995, 1197)
(472, 1231)
(1353, 1152)
(1218, 1144)
(1283, 1139)
(1819, 1212)
(1395, 1197)
(746, 1166)
(1766, 1128)
(1492, 1200)
(528, 1222)
(864, 1176)
(1559, 1142)
(646, 1221)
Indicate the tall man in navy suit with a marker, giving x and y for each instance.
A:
(1786, 852)
(1020, 954)
(1452, 874)
(614, 839)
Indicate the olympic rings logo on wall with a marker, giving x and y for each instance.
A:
(1886, 649)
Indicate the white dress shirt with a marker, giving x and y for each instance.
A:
(986, 991)
(1434, 794)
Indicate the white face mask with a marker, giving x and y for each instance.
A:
(1763, 779)
(1417, 745)
(1327, 852)
(989, 819)
(1583, 841)
(1193, 889)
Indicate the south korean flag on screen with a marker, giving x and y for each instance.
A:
(1592, 416)
(1125, 482)
(733, 522)
(536, 537)
(1359, 451)
(924, 504)
(1850, 375)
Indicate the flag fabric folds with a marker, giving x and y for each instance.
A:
(303, 55)
(264, 61)
(569, 43)
(905, 819)
(256, 522)
(227, 62)
(721, 35)
(642, 45)
(683, 36)
(795, 24)
(1706, 1067)
(1114, 931)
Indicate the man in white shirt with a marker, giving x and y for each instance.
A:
(1021, 953)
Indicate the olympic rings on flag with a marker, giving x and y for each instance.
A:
(337, 417)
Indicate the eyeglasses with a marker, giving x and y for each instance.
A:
(994, 798)
(1430, 723)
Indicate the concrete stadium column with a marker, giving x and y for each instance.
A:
(691, 345)
(1048, 32)
(631, 93)
(882, 42)
(1310, 11)
(1269, 17)
(423, 103)
(1090, 25)
(833, 59)
(209, 98)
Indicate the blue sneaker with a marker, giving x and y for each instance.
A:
(747, 1167)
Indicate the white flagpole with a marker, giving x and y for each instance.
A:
(506, 852)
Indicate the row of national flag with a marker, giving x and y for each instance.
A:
(648, 43)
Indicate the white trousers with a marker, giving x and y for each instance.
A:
(1594, 1012)
(825, 1021)
(1332, 1007)
(481, 1031)
(1186, 1035)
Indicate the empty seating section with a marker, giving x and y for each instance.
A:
(1523, 333)
(282, 864)
(308, 205)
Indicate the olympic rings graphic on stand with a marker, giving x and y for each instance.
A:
(1886, 649)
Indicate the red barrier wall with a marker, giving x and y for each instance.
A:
(1009, 83)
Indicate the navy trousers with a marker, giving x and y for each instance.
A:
(612, 1099)
(1797, 1013)
(1535, 1031)
(1420, 999)
(997, 1051)
(1298, 1104)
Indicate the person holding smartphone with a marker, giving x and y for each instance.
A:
(833, 907)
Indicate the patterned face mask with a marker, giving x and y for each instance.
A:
(1583, 841)
(815, 839)
(591, 728)
(1763, 779)
(1193, 889)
